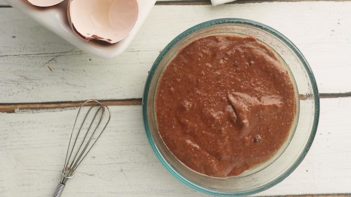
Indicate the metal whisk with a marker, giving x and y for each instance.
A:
(87, 129)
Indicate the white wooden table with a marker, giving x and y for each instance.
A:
(42, 79)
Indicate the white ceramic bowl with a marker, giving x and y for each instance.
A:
(56, 20)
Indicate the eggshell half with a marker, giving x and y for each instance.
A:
(44, 3)
(104, 20)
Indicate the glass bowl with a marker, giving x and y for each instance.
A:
(296, 147)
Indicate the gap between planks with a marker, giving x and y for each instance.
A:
(15, 107)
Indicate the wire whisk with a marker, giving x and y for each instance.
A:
(91, 121)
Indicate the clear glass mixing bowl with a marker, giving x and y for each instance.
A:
(296, 147)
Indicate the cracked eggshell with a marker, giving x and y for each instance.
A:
(44, 3)
(103, 20)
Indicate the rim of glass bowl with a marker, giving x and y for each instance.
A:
(204, 25)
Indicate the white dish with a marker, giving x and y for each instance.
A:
(55, 19)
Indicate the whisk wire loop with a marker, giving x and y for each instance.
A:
(78, 152)
(89, 129)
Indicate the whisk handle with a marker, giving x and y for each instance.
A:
(59, 190)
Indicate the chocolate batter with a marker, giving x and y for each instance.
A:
(225, 104)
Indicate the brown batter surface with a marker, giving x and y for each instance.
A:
(225, 104)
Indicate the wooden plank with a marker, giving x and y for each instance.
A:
(122, 164)
(33, 145)
(3, 3)
(37, 66)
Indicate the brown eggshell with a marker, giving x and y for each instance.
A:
(103, 20)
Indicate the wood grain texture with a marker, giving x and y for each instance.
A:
(37, 66)
(33, 144)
